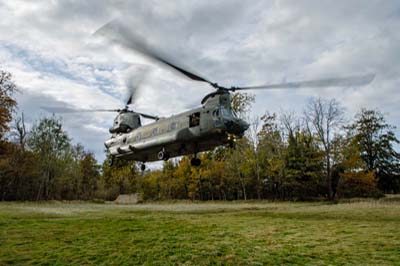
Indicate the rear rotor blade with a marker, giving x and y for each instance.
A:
(319, 83)
(72, 110)
(115, 31)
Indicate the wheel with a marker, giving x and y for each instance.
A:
(142, 167)
(162, 155)
(232, 144)
(195, 162)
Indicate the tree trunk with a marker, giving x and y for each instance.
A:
(243, 186)
(329, 178)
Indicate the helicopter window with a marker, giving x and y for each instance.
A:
(172, 126)
(216, 113)
(226, 112)
(138, 136)
(194, 119)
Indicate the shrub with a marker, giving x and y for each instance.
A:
(358, 184)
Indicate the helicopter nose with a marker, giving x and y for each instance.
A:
(244, 125)
(237, 126)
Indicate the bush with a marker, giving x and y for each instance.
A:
(108, 194)
(358, 184)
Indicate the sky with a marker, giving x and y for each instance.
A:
(57, 60)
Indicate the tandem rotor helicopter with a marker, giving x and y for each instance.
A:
(212, 124)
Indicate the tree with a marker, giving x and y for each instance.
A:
(19, 174)
(304, 165)
(89, 172)
(350, 172)
(7, 102)
(19, 132)
(119, 178)
(183, 172)
(375, 139)
(271, 150)
(19, 168)
(253, 157)
(235, 167)
(323, 118)
(51, 143)
(241, 103)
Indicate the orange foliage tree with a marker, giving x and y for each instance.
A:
(7, 102)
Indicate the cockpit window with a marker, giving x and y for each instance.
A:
(215, 113)
(226, 112)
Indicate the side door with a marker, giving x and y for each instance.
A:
(194, 122)
(206, 120)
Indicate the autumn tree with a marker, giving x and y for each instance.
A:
(375, 138)
(271, 150)
(352, 175)
(118, 178)
(89, 173)
(7, 102)
(19, 168)
(241, 103)
(235, 168)
(183, 173)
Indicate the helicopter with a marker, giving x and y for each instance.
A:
(212, 124)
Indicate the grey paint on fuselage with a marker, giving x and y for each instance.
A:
(172, 133)
(177, 135)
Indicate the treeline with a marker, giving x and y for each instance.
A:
(316, 155)
(41, 163)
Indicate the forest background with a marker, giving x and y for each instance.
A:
(316, 155)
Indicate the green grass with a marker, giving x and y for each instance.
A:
(256, 233)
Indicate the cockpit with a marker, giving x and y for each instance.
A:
(227, 118)
(228, 113)
(223, 112)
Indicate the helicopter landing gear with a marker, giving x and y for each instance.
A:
(163, 155)
(142, 167)
(111, 162)
(195, 161)
(232, 144)
(231, 141)
(133, 168)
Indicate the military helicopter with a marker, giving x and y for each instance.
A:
(212, 124)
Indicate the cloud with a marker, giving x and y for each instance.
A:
(49, 48)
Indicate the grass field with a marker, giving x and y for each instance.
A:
(256, 233)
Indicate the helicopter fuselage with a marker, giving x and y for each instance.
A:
(194, 131)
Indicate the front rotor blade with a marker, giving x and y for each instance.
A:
(148, 116)
(72, 110)
(319, 83)
(133, 83)
(115, 31)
